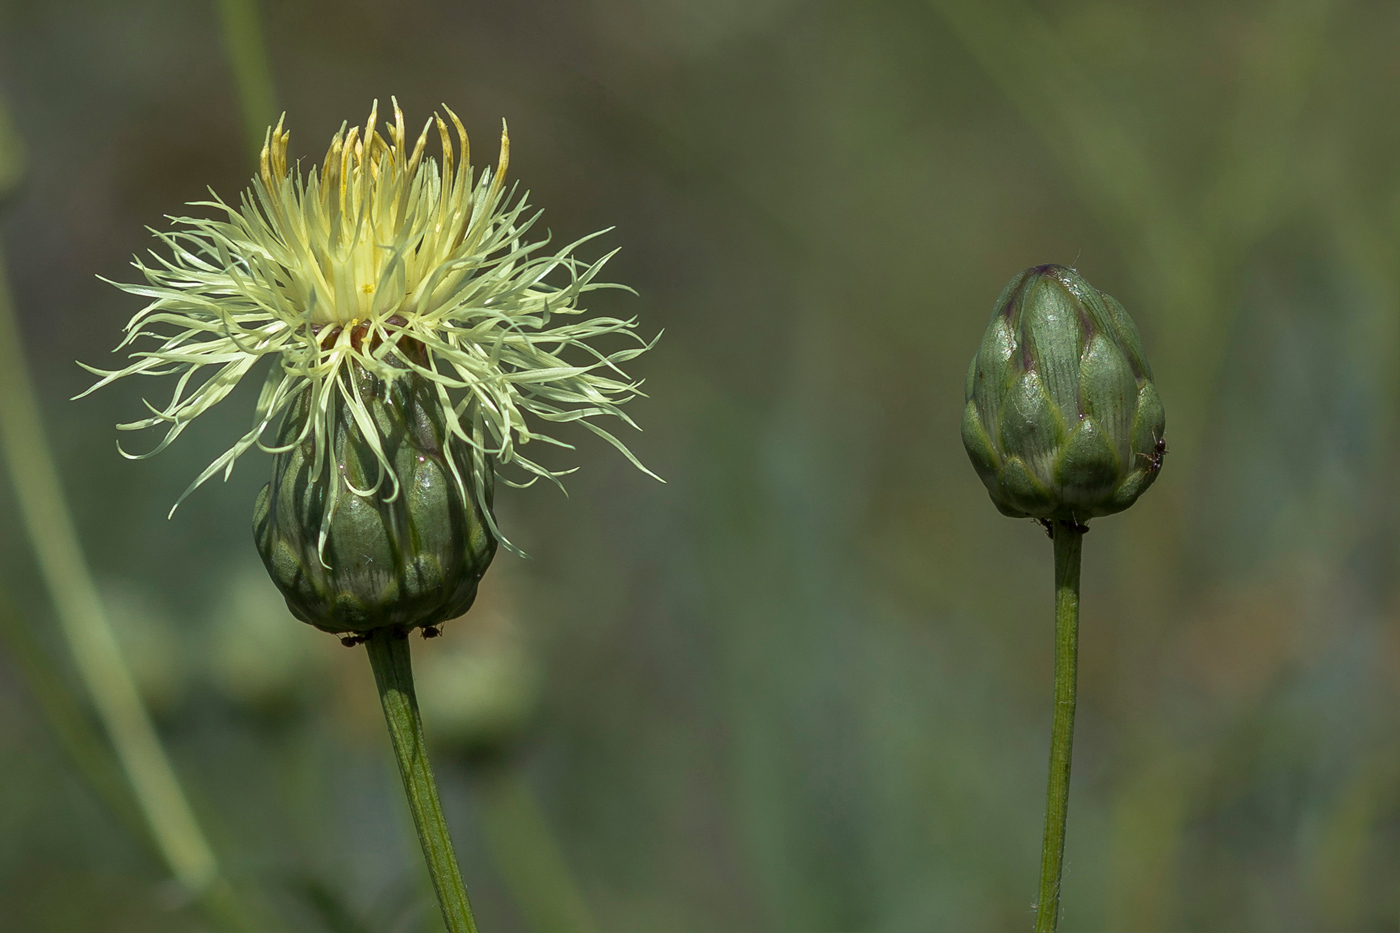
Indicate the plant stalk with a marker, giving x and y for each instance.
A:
(393, 674)
(1069, 541)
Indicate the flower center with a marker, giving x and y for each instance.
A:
(365, 337)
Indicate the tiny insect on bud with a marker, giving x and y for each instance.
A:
(1062, 421)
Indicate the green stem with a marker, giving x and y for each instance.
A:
(1069, 540)
(393, 674)
(528, 855)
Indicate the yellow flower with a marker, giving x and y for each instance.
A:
(385, 260)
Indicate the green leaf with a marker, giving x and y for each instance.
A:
(1125, 332)
(994, 370)
(1149, 422)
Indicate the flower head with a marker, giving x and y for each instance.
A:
(386, 262)
(1062, 420)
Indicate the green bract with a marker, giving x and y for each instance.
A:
(1062, 419)
(367, 547)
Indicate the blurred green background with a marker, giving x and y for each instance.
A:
(805, 685)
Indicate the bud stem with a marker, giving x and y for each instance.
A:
(393, 674)
(1069, 542)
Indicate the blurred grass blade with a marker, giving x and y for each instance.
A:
(12, 155)
(528, 856)
(1021, 54)
(84, 621)
(69, 720)
(92, 756)
(1185, 246)
(252, 72)
(329, 906)
(82, 617)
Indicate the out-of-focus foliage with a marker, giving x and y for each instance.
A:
(806, 684)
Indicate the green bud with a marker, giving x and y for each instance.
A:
(1062, 420)
(374, 539)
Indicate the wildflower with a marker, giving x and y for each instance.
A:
(1063, 424)
(381, 280)
(1062, 419)
(379, 250)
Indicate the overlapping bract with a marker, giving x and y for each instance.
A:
(1062, 420)
(407, 561)
(338, 268)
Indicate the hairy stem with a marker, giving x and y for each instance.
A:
(1069, 541)
(393, 674)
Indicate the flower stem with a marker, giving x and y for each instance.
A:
(393, 674)
(1069, 540)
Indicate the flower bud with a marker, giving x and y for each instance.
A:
(1062, 420)
(375, 538)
